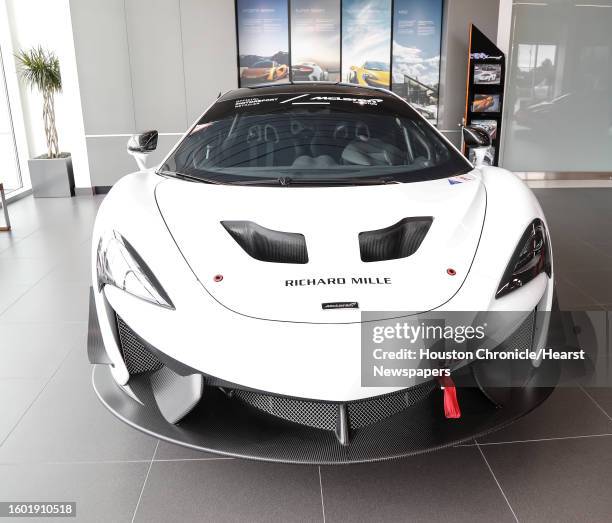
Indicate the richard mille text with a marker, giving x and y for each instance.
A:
(366, 280)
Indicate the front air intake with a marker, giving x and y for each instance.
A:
(398, 241)
(323, 414)
(137, 357)
(268, 245)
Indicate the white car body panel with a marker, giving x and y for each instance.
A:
(312, 360)
(331, 220)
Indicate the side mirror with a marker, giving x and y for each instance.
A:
(140, 145)
(476, 137)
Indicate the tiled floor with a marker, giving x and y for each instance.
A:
(57, 442)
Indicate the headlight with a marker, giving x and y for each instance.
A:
(118, 264)
(531, 257)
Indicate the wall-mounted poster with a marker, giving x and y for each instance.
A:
(366, 42)
(263, 41)
(315, 40)
(417, 33)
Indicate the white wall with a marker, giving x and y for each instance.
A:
(148, 64)
(504, 26)
(48, 23)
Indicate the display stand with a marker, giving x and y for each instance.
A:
(7, 221)
(485, 91)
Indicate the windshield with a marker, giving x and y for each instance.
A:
(376, 66)
(313, 138)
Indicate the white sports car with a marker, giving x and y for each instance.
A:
(309, 72)
(230, 283)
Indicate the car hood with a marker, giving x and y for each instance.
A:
(330, 220)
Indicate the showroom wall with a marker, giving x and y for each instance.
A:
(157, 64)
(148, 64)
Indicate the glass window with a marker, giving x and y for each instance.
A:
(316, 139)
(10, 175)
(558, 110)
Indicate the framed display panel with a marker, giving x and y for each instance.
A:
(485, 91)
(366, 42)
(262, 29)
(394, 44)
(315, 40)
(415, 64)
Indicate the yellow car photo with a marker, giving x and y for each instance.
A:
(374, 74)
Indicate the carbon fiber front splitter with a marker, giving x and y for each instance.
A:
(219, 424)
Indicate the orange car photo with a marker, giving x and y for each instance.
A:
(485, 103)
(265, 71)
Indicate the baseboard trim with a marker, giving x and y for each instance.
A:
(84, 191)
(10, 197)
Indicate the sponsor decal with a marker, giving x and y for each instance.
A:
(249, 102)
(484, 56)
(453, 180)
(342, 280)
(358, 101)
(340, 305)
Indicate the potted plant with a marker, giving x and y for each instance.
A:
(51, 173)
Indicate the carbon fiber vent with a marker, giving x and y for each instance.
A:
(134, 350)
(268, 245)
(322, 415)
(398, 241)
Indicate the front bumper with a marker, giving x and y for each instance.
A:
(219, 424)
(236, 421)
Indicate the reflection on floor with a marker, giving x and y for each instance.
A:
(58, 443)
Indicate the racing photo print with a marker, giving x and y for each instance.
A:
(263, 41)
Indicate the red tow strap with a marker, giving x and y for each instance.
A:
(451, 405)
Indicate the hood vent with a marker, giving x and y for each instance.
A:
(398, 241)
(268, 245)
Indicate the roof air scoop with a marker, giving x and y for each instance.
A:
(397, 241)
(268, 245)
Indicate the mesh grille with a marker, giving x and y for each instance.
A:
(133, 349)
(522, 337)
(310, 413)
(362, 413)
(323, 415)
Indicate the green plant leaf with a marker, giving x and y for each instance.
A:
(40, 69)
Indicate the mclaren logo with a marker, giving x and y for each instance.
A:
(340, 305)
(354, 280)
